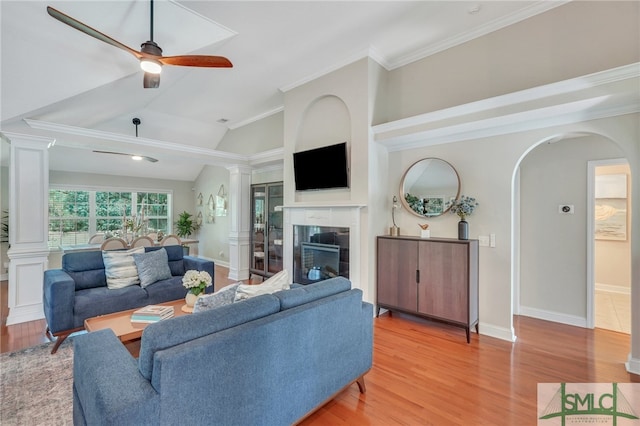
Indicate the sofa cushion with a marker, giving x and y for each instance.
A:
(178, 330)
(279, 281)
(165, 290)
(101, 301)
(152, 266)
(308, 293)
(224, 296)
(120, 268)
(86, 268)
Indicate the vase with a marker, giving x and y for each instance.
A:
(190, 299)
(463, 230)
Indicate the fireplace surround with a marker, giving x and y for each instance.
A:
(342, 217)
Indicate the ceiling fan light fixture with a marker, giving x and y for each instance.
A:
(136, 158)
(151, 66)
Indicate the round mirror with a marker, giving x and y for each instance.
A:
(429, 187)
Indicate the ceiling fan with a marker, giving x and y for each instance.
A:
(150, 54)
(133, 156)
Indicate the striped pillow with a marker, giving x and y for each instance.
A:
(120, 267)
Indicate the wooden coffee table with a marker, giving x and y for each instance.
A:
(120, 322)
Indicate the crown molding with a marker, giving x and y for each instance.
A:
(255, 118)
(424, 129)
(136, 141)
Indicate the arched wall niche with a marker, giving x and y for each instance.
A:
(326, 121)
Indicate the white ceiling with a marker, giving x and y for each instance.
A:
(85, 93)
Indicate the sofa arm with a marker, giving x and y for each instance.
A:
(59, 292)
(198, 264)
(108, 385)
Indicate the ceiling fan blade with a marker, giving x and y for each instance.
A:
(74, 23)
(151, 81)
(149, 159)
(197, 61)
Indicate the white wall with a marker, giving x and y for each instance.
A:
(214, 237)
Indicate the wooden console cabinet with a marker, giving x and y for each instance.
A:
(435, 278)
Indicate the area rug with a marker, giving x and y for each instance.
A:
(36, 387)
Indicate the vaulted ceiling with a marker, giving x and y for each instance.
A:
(61, 83)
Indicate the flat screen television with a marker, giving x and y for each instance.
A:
(321, 168)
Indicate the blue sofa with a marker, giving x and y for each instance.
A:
(269, 360)
(79, 290)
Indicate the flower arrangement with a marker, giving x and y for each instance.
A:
(196, 281)
(463, 206)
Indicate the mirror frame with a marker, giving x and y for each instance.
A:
(402, 191)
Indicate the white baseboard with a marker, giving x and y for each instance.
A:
(4, 277)
(633, 365)
(220, 263)
(497, 332)
(553, 316)
(608, 288)
(25, 313)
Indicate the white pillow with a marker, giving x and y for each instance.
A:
(120, 267)
(279, 281)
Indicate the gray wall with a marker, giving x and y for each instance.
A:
(259, 136)
(568, 41)
(553, 246)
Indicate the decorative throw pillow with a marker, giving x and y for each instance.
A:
(120, 268)
(279, 281)
(222, 297)
(152, 266)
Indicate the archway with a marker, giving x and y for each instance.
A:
(551, 276)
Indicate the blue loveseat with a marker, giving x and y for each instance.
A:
(79, 290)
(269, 360)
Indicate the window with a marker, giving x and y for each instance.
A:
(75, 215)
(68, 217)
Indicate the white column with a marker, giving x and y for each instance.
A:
(28, 225)
(240, 217)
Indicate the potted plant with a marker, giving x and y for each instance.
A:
(185, 226)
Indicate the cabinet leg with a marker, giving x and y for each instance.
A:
(468, 330)
(377, 311)
(477, 329)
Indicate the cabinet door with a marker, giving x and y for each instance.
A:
(397, 266)
(258, 205)
(274, 228)
(443, 287)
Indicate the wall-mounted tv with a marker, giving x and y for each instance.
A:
(321, 168)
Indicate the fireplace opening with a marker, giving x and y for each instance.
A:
(319, 253)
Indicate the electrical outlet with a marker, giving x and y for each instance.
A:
(483, 240)
(565, 209)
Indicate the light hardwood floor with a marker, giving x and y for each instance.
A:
(425, 373)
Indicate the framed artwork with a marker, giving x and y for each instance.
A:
(199, 199)
(611, 207)
(211, 210)
(221, 202)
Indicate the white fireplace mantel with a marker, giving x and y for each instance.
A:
(333, 215)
